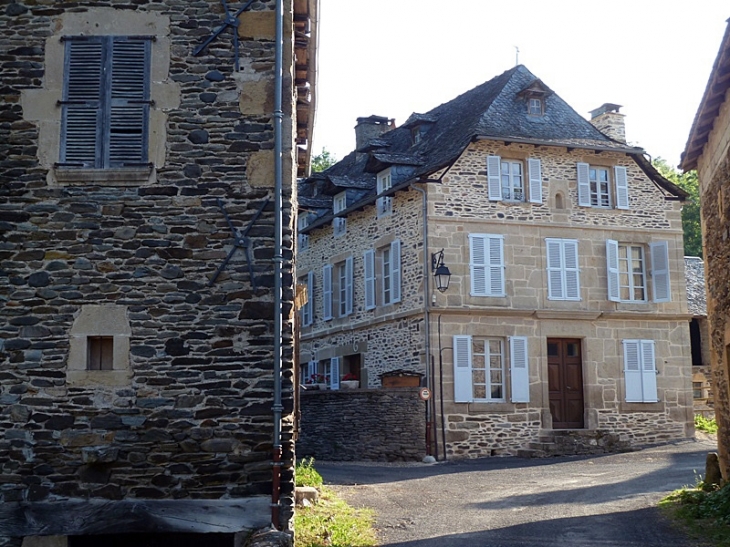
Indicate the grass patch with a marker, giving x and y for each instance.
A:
(331, 522)
(708, 425)
(702, 511)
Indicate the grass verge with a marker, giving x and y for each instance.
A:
(331, 522)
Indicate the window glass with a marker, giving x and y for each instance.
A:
(511, 176)
(632, 279)
(600, 190)
(488, 369)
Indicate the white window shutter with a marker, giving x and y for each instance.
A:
(395, 275)
(572, 271)
(535, 180)
(494, 179)
(496, 265)
(308, 308)
(478, 264)
(519, 369)
(555, 269)
(622, 187)
(349, 285)
(462, 369)
(369, 260)
(311, 371)
(660, 271)
(632, 371)
(648, 372)
(584, 185)
(327, 292)
(335, 373)
(612, 270)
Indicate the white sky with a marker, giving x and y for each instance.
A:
(394, 57)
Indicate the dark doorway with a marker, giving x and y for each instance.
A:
(695, 340)
(565, 382)
(153, 540)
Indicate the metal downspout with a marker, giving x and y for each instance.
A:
(427, 307)
(278, 260)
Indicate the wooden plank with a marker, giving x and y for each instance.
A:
(80, 517)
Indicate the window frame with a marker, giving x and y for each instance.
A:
(569, 289)
(302, 239)
(511, 189)
(655, 270)
(617, 187)
(487, 369)
(339, 224)
(532, 101)
(384, 204)
(487, 265)
(345, 287)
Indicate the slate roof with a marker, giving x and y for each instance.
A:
(492, 110)
(694, 272)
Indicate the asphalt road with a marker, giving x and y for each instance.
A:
(512, 502)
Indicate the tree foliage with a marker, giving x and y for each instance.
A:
(323, 160)
(691, 223)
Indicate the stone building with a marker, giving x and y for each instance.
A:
(708, 151)
(565, 324)
(699, 334)
(147, 157)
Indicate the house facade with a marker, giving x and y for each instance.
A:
(708, 151)
(566, 312)
(149, 153)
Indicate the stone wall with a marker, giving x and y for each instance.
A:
(188, 416)
(371, 425)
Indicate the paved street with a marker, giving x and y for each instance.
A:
(605, 501)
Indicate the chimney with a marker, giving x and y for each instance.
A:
(607, 119)
(371, 128)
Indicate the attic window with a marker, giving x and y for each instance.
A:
(535, 106)
(339, 204)
(416, 135)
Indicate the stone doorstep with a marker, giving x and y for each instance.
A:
(305, 495)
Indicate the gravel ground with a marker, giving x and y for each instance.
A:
(513, 502)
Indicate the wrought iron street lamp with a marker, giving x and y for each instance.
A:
(441, 273)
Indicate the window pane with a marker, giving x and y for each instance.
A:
(477, 360)
(553, 350)
(496, 392)
(480, 391)
(477, 345)
(479, 376)
(572, 349)
(495, 346)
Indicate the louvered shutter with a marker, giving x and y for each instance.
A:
(462, 369)
(494, 179)
(496, 265)
(311, 371)
(349, 294)
(612, 270)
(584, 185)
(81, 124)
(334, 373)
(327, 292)
(660, 271)
(555, 269)
(478, 264)
(648, 372)
(519, 369)
(308, 308)
(572, 272)
(535, 172)
(129, 102)
(395, 274)
(632, 371)
(369, 267)
(622, 187)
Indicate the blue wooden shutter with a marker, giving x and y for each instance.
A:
(614, 293)
(129, 102)
(496, 265)
(622, 187)
(535, 172)
(395, 271)
(519, 369)
(462, 369)
(584, 185)
(556, 290)
(311, 371)
(81, 124)
(369, 268)
(334, 373)
(308, 308)
(478, 264)
(571, 269)
(632, 371)
(648, 372)
(494, 178)
(660, 271)
(327, 292)
(349, 291)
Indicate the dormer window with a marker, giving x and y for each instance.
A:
(384, 204)
(534, 96)
(535, 106)
(303, 239)
(339, 204)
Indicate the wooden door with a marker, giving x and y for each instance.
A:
(565, 382)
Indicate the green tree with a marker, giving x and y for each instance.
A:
(322, 161)
(691, 208)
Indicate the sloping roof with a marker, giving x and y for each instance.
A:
(715, 92)
(492, 110)
(694, 272)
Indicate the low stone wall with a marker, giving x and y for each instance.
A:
(363, 424)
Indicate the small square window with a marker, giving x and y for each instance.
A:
(100, 353)
(535, 107)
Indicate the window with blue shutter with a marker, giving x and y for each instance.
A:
(369, 267)
(106, 102)
(640, 371)
(327, 292)
(563, 272)
(486, 264)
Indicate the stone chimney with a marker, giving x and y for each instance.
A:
(607, 119)
(371, 128)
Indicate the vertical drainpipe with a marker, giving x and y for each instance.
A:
(278, 260)
(427, 306)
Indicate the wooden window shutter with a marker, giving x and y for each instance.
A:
(648, 372)
(462, 369)
(612, 270)
(369, 267)
(395, 273)
(535, 171)
(519, 369)
(349, 294)
(622, 187)
(494, 179)
(308, 308)
(572, 270)
(335, 373)
(327, 292)
(584, 185)
(632, 371)
(555, 269)
(478, 264)
(660, 271)
(496, 265)
(311, 371)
